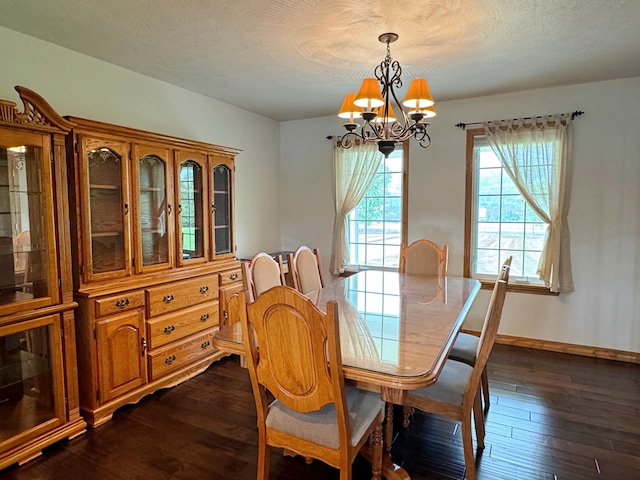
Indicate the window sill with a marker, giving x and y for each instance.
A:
(520, 288)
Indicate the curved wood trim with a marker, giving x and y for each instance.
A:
(37, 114)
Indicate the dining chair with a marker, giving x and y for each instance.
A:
(456, 392)
(424, 257)
(261, 273)
(305, 269)
(293, 353)
(465, 349)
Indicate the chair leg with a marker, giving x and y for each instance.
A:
(407, 412)
(484, 379)
(467, 446)
(376, 453)
(263, 457)
(478, 418)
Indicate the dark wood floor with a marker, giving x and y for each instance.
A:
(553, 417)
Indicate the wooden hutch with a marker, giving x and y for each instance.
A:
(38, 375)
(154, 259)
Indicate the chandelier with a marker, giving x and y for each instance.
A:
(377, 107)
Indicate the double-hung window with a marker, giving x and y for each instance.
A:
(499, 223)
(377, 226)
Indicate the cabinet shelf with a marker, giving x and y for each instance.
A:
(95, 186)
(105, 234)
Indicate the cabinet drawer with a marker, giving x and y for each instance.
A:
(167, 360)
(119, 303)
(174, 326)
(185, 293)
(230, 276)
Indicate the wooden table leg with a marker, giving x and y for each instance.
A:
(390, 470)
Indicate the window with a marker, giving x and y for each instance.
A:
(377, 226)
(499, 223)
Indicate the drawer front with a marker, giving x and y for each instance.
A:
(230, 276)
(122, 302)
(185, 293)
(177, 325)
(167, 360)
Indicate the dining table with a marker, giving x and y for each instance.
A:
(396, 331)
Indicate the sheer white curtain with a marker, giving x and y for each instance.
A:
(537, 156)
(354, 170)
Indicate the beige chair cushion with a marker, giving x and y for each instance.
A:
(422, 259)
(308, 272)
(450, 386)
(266, 274)
(321, 426)
(464, 349)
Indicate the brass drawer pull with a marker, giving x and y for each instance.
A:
(122, 303)
(204, 317)
(233, 276)
(204, 345)
(169, 360)
(167, 298)
(204, 289)
(169, 329)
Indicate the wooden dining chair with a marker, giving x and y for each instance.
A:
(261, 273)
(305, 269)
(424, 257)
(465, 349)
(298, 361)
(456, 393)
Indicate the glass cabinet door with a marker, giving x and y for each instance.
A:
(30, 380)
(154, 228)
(108, 208)
(26, 224)
(191, 194)
(222, 209)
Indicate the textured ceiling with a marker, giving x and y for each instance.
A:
(294, 59)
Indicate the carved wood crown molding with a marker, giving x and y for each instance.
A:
(37, 113)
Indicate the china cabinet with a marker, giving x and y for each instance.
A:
(154, 259)
(38, 377)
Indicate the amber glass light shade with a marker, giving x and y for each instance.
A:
(348, 108)
(419, 96)
(369, 95)
(391, 117)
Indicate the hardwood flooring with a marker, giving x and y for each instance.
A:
(553, 416)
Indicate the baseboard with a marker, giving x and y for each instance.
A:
(585, 351)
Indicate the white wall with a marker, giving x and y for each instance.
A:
(284, 194)
(604, 218)
(81, 86)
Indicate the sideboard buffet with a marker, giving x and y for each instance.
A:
(154, 259)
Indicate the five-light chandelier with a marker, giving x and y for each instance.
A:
(380, 124)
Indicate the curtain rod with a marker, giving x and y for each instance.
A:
(463, 126)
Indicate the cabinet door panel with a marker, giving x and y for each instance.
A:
(222, 208)
(191, 194)
(27, 240)
(31, 380)
(152, 187)
(121, 349)
(106, 208)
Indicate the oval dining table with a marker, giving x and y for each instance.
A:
(396, 331)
